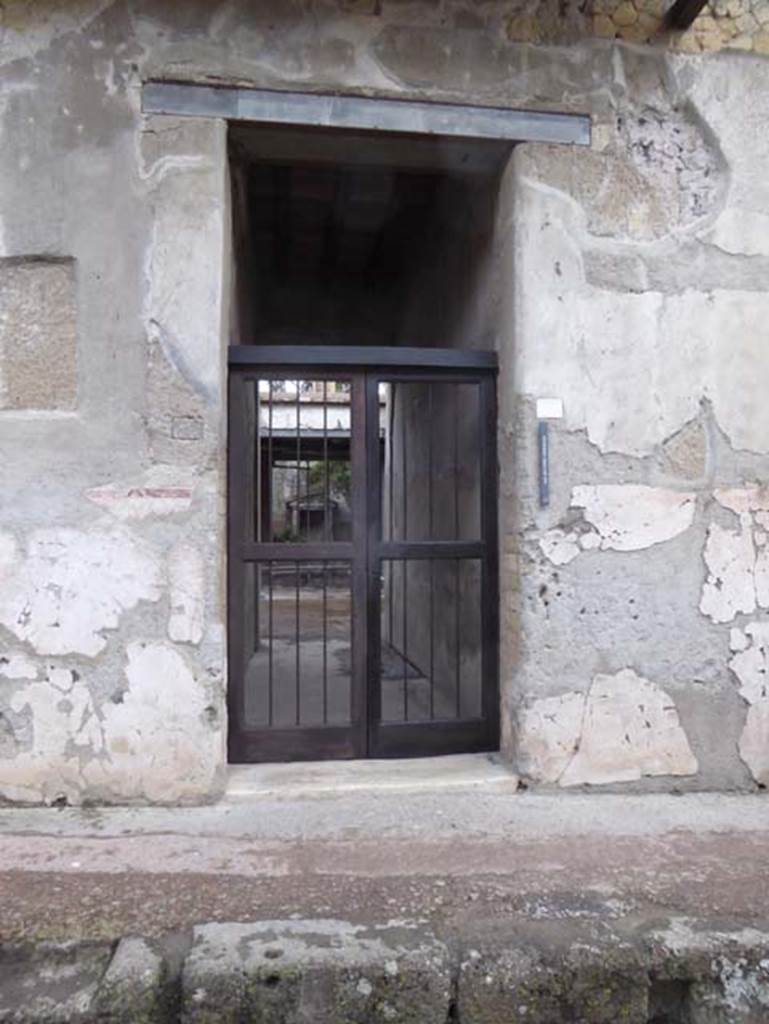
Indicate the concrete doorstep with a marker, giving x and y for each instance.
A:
(483, 773)
(678, 971)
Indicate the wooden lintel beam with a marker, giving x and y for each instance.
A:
(682, 14)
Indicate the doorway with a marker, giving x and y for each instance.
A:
(362, 565)
(363, 553)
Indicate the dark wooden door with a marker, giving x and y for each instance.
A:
(362, 553)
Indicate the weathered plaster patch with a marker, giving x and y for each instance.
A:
(742, 232)
(7, 554)
(630, 517)
(631, 729)
(161, 740)
(738, 560)
(751, 666)
(623, 517)
(164, 165)
(17, 666)
(29, 28)
(63, 722)
(590, 541)
(624, 728)
(160, 492)
(186, 571)
(751, 663)
(737, 640)
(72, 585)
(175, 414)
(157, 741)
(754, 742)
(761, 571)
(549, 731)
(559, 547)
(743, 500)
(183, 301)
(730, 587)
(735, 325)
(609, 341)
(743, 225)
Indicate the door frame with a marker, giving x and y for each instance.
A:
(366, 735)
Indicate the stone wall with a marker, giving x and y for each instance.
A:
(629, 279)
(722, 24)
(649, 582)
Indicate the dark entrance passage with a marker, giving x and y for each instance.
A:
(362, 553)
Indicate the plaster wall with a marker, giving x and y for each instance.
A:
(630, 279)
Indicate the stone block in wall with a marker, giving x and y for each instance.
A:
(38, 334)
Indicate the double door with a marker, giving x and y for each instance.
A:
(362, 553)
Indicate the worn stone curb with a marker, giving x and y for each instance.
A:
(136, 985)
(51, 981)
(336, 972)
(268, 971)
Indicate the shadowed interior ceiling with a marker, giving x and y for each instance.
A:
(333, 229)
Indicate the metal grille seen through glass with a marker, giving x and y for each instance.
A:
(299, 634)
(432, 473)
(302, 473)
(431, 639)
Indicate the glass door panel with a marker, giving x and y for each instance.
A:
(297, 566)
(362, 562)
(434, 551)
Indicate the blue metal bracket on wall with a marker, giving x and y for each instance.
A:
(543, 457)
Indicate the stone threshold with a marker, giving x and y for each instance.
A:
(308, 779)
